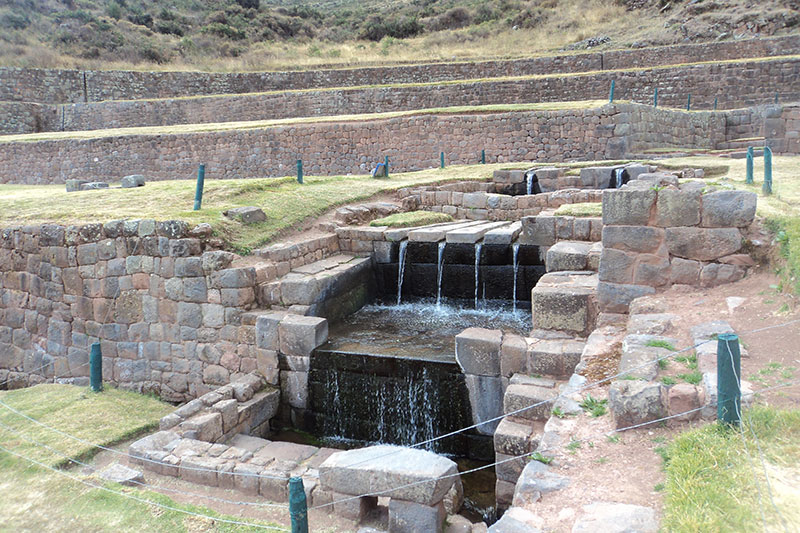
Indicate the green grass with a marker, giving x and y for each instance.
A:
(666, 380)
(693, 378)
(33, 498)
(710, 486)
(656, 343)
(593, 406)
(538, 456)
(588, 209)
(412, 218)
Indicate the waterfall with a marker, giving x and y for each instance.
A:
(401, 267)
(515, 249)
(478, 247)
(618, 177)
(529, 180)
(439, 265)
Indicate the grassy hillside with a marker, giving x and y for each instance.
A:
(267, 34)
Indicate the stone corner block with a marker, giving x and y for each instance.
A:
(478, 351)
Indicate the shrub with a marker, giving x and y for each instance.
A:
(376, 28)
(249, 4)
(454, 18)
(114, 10)
(13, 20)
(223, 30)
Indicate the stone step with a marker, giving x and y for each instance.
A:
(565, 301)
(519, 396)
(573, 256)
(504, 234)
(472, 234)
(438, 233)
(555, 357)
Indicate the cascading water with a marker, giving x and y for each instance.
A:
(439, 264)
(618, 177)
(401, 267)
(515, 249)
(478, 247)
(529, 180)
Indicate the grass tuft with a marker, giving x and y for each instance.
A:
(412, 218)
(588, 209)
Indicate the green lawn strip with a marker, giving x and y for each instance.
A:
(412, 218)
(106, 418)
(588, 209)
(710, 483)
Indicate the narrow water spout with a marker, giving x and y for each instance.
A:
(439, 265)
(515, 249)
(529, 180)
(618, 177)
(401, 268)
(478, 247)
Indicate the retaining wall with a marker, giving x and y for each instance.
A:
(756, 82)
(55, 86)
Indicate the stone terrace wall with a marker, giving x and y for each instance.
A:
(326, 148)
(70, 86)
(757, 82)
(179, 327)
(25, 117)
(782, 129)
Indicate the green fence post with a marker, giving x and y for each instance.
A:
(729, 365)
(441, 159)
(386, 166)
(298, 509)
(96, 368)
(483, 157)
(198, 193)
(655, 97)
(776, 98)
(611, 92)
(300, 171)
(715, 103)
(689, 102)
(749, 179)
(767, 187)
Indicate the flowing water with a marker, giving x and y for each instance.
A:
(515, 249)
(618, 177)
(439, 269)
(478, 247)
(401, 267)
(529, 180)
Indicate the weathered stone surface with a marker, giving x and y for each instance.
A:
(726, 209)
(371, 469)
(616, 266)
(246, 215)
(517, 520)
(615, 297)
(93, 185)
(635, 402)
(513, 438)
(536, 480)
(267, 337)
(683, 397)
(566, 302)
(628, 207)
(117, 473)
(133, 181)
(410, 517)
(703, 244)
(294, 388)
(478, 351)
(684, 271)
(640, 360)
(539, 230)
(567, 255)
(616, 518)
(651, 323)
(513, 354)
(639, 239)
(557, 357)
(217, 260)
(301, 335)
(529, 402)
(678, 208)
(486, 401)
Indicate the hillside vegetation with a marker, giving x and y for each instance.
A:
(285, 34)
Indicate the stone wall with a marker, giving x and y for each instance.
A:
(411, 143)
(782, 129)
(70, 86)
(757, 82)
(170, 319)
(657, 234)
(26, 117)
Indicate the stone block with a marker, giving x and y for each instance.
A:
(628, 206)
(133, 181)
(267, 337)
(536, 480)
(615, 297)
(509, 468)
(684, 397)
(565, 302)
(557, 357)
(391, 469)
(94, 185)
(517, 520)
(513, 438)
(703, 244)
(478, 351)
(410, 517)
(616, 518)
(638, 239)
(539, 230)
(301, 335)
(678, 208)
(728, 209)
(635, 402)
(294, 388)
(117, 473)
(513, 355)
(206, 427)
(486, 401)
(246, 215)
(355, 509)
(566, 255)
(685, 271)
(529, 401)
(75, 185)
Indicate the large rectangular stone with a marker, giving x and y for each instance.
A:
(529, 401)
(410, 517)
(472, 234)
(565, 302)
(267, 337)
(628, 206)
(539, 230)
(478, 351)
(301, 335)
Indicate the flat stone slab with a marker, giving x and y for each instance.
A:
(382, 469)
(246, 442)
(287, 451)
(503, 234)
(93, 185)
(472, 234)
(121, 474)
(438, 232)
(616, 518)
(246, 215)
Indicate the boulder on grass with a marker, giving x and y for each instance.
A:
(246, 215)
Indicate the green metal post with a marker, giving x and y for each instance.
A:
(689, 102)
(729, 371)
(96, 368)
(655, 97)
(298, 508)
(767, 187)
(386, 165)
(441, 159)
(300, 171)
(198, 193)
(776, 98)
(611, 92)
(483, 157)
(715, 103)
(749, 178)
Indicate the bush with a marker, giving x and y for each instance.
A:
(14, 21)
(454, 18)
(140, 18)
(223, 30)
(376, 28)
(249, 4)
(169, 27)
(114, 10)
